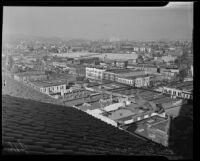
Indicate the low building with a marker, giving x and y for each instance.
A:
(94, 73)
(51, 87)
(154, 128)
(169, 58)
(87, 60)
(59, 64)
(137, 81)
(77, 70)
(30, 76)
(114, 74)
(150, 68)
(159, 132)
(141, 81)
(120, 63)
(181, 90)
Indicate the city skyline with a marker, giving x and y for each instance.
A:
(173, 22)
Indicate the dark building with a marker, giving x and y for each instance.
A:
(90, 60)
(77, 70)
(120, 63)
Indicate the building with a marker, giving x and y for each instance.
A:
(168, 58)
(51, 87)
(87, 60)
(140, 81)
(150, 68)
(77, 70)
(120, 63)
(30, 76)
(154, 128)
(181, 90)
(59, 64)
(94, 73)
(159, 132)
(137, 81)
(114, 74)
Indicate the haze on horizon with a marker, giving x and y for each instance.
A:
(173, 22)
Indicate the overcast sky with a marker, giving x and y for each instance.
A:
(172, 22)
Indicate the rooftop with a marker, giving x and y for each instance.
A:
(183, 86)
(75, 66)
(50, 83)
(29, 129)
(137, 76)
(120, 113)
(160, 126)
(120, 71)
(22, 74)
(140, 127)
(89, 106)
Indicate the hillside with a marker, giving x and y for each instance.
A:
(18, 89)
(31, 127)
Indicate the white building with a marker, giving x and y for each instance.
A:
(138, 81)
(185, 91)
(168, 58)
(53, 89)
(142, 81)
(94, 73)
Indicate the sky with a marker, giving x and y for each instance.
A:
(174, 21)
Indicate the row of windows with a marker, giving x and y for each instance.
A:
(53, 88)
(179, 94)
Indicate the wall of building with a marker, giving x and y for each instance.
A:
(158, 136)
(94, 73)
(53, 89)
(126, 81)
(177, 93)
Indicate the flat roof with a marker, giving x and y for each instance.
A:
(136, 126)
(92, 106)
(134, 91)
(30, 73)
(76, 66)
(117, 71)
(124, 118)
(120, 113)
(160, 126)
(50, 83)
(114, 85)
(143, 65)
(185, 85)
(137, 76)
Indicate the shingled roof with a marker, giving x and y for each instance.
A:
(31, 127)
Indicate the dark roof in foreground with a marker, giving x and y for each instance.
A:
(31, 127)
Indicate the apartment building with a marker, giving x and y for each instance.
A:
(94, 73)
